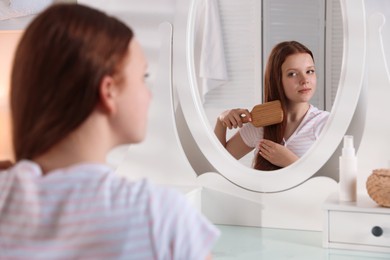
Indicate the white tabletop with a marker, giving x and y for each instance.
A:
(266, 243)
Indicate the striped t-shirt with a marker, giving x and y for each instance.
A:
(300, 141)
(86, 211)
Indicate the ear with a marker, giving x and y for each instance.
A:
(108, 92)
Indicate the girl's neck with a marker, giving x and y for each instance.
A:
(295, 116)
(68, 153)
(296, 112)
(89, 143)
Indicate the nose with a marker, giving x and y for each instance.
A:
(304, 79)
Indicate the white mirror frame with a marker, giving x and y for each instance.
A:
(350, 85)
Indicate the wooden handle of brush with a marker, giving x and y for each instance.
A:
(266, 114)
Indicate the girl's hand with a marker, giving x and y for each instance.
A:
(276, 154)
(235, 118)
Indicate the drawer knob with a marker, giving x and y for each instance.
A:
(377, 231)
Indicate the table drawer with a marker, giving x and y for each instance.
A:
(359, 228)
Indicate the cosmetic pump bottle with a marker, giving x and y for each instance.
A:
(347, 171)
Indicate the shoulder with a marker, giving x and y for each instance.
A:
(22, 169)
(318, 119)
(178, 223)
(165, 201)
(316, 111)
(317, 115)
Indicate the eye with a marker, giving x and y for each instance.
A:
(311, 71)
(292, 74)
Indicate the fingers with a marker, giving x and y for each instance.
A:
(246, 116)
(267, 149)
(276, 154)
(235, 118)
(266, 145)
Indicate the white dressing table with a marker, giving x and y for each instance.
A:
(361, 225)
(237, 242)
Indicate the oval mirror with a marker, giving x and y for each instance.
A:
(191, 103)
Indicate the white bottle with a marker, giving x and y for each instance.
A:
(347, 171)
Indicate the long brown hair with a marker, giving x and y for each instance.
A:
(273, 90)
(58, 66)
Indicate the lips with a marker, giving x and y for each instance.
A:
(304, 91)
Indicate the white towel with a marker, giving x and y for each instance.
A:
(212, 64)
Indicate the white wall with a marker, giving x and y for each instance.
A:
(144, 18)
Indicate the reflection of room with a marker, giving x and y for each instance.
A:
(254, 224)
(247, 36)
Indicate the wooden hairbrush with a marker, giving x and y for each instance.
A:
(269, 113)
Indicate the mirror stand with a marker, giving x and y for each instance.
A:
(234, 194)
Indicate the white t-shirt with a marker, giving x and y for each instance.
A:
(86, 211)
(300, 141)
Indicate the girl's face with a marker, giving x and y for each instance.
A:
(299, 78)
(134, 97)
